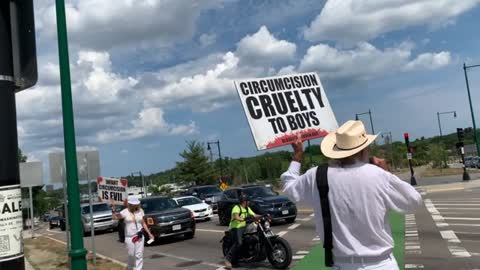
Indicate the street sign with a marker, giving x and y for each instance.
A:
(112, 190)
(31, 174)
(88, 163)
(409, 156)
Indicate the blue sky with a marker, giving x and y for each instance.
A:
(149, 75)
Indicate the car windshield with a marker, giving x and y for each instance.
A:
(188, 201)
(158, 204)
(96, 208)
(209, 190)
(259, 192)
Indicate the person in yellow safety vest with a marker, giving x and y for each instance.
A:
(237, 228)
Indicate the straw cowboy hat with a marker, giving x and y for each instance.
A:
(348, 140)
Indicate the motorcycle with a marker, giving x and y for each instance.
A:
(260, 243)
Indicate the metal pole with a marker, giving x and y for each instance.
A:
(143, 184)
(9, 168)
(371, 121)
(77, 252)
(32, 218)
(92, 227)
(221, 163)
(65, 208)
(439, 125)
(475, 137)
(466, 176)
(391, 150)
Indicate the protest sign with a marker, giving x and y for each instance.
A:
(112, 189)
(281, 108)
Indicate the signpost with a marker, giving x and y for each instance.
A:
(413, 181)
(31, 175)
(281, 109)
(18, 71)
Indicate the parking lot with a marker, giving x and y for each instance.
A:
(203, 251)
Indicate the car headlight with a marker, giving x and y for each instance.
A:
(266, 225)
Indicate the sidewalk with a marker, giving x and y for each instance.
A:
(474, 183)
(28, 266)
(315, 259)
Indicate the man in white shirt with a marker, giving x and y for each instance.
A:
(360, 196)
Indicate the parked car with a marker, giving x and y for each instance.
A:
(57, 219)
(102, 217)
(165, 218)
(200, 209)
(263, 200)
(211, 194)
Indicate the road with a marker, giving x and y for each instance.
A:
(204, 251)
(444, 233)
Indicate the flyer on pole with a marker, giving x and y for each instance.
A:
(112, 190)
(281, 108)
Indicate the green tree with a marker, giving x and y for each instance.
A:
(21, 156)
(195, 166)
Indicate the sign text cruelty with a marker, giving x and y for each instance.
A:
(281, 108)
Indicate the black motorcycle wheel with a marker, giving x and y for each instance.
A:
(281, 255)
(225, 247)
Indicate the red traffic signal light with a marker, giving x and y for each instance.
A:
(405, 135)
(411, 150)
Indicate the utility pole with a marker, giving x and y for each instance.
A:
(17, 47)
(77, 251)
(219, 155)
(413, 181)
(475, 137)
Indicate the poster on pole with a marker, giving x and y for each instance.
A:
(112, 190)
(281, 108)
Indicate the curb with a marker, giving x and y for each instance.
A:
(98, 254)
(305, 210)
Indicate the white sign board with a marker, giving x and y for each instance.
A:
(279, 109)
(11, 224)
(409, 155)
(112, 190)
(88, 164)
(31, 174)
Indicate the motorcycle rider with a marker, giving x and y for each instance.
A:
(237, 227)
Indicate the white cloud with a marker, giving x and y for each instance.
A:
(263, 47)
(207, 39)
(149, 122)
(102, 24)
(429, 61)
(359, 20)
(105, 102)
(365, 61)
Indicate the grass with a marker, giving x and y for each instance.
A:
(46, 254)
(430, 172)
(315, 259)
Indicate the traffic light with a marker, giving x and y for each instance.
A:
(24, 52)
(460, 134)
(407, 141)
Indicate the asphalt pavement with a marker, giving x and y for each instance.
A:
(202, 252)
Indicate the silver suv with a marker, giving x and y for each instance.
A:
(102, 217)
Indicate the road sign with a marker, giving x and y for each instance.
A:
(88, 163)
(112, 190)
(31, 174)
(409, 156)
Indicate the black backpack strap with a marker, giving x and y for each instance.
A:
(322, 186)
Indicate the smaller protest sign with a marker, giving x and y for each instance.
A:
(280, 109)
(112, 190)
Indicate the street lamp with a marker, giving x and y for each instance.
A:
(388, 135)
(475, 137)
(370, 114)
(440, 127)
(219, 155)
